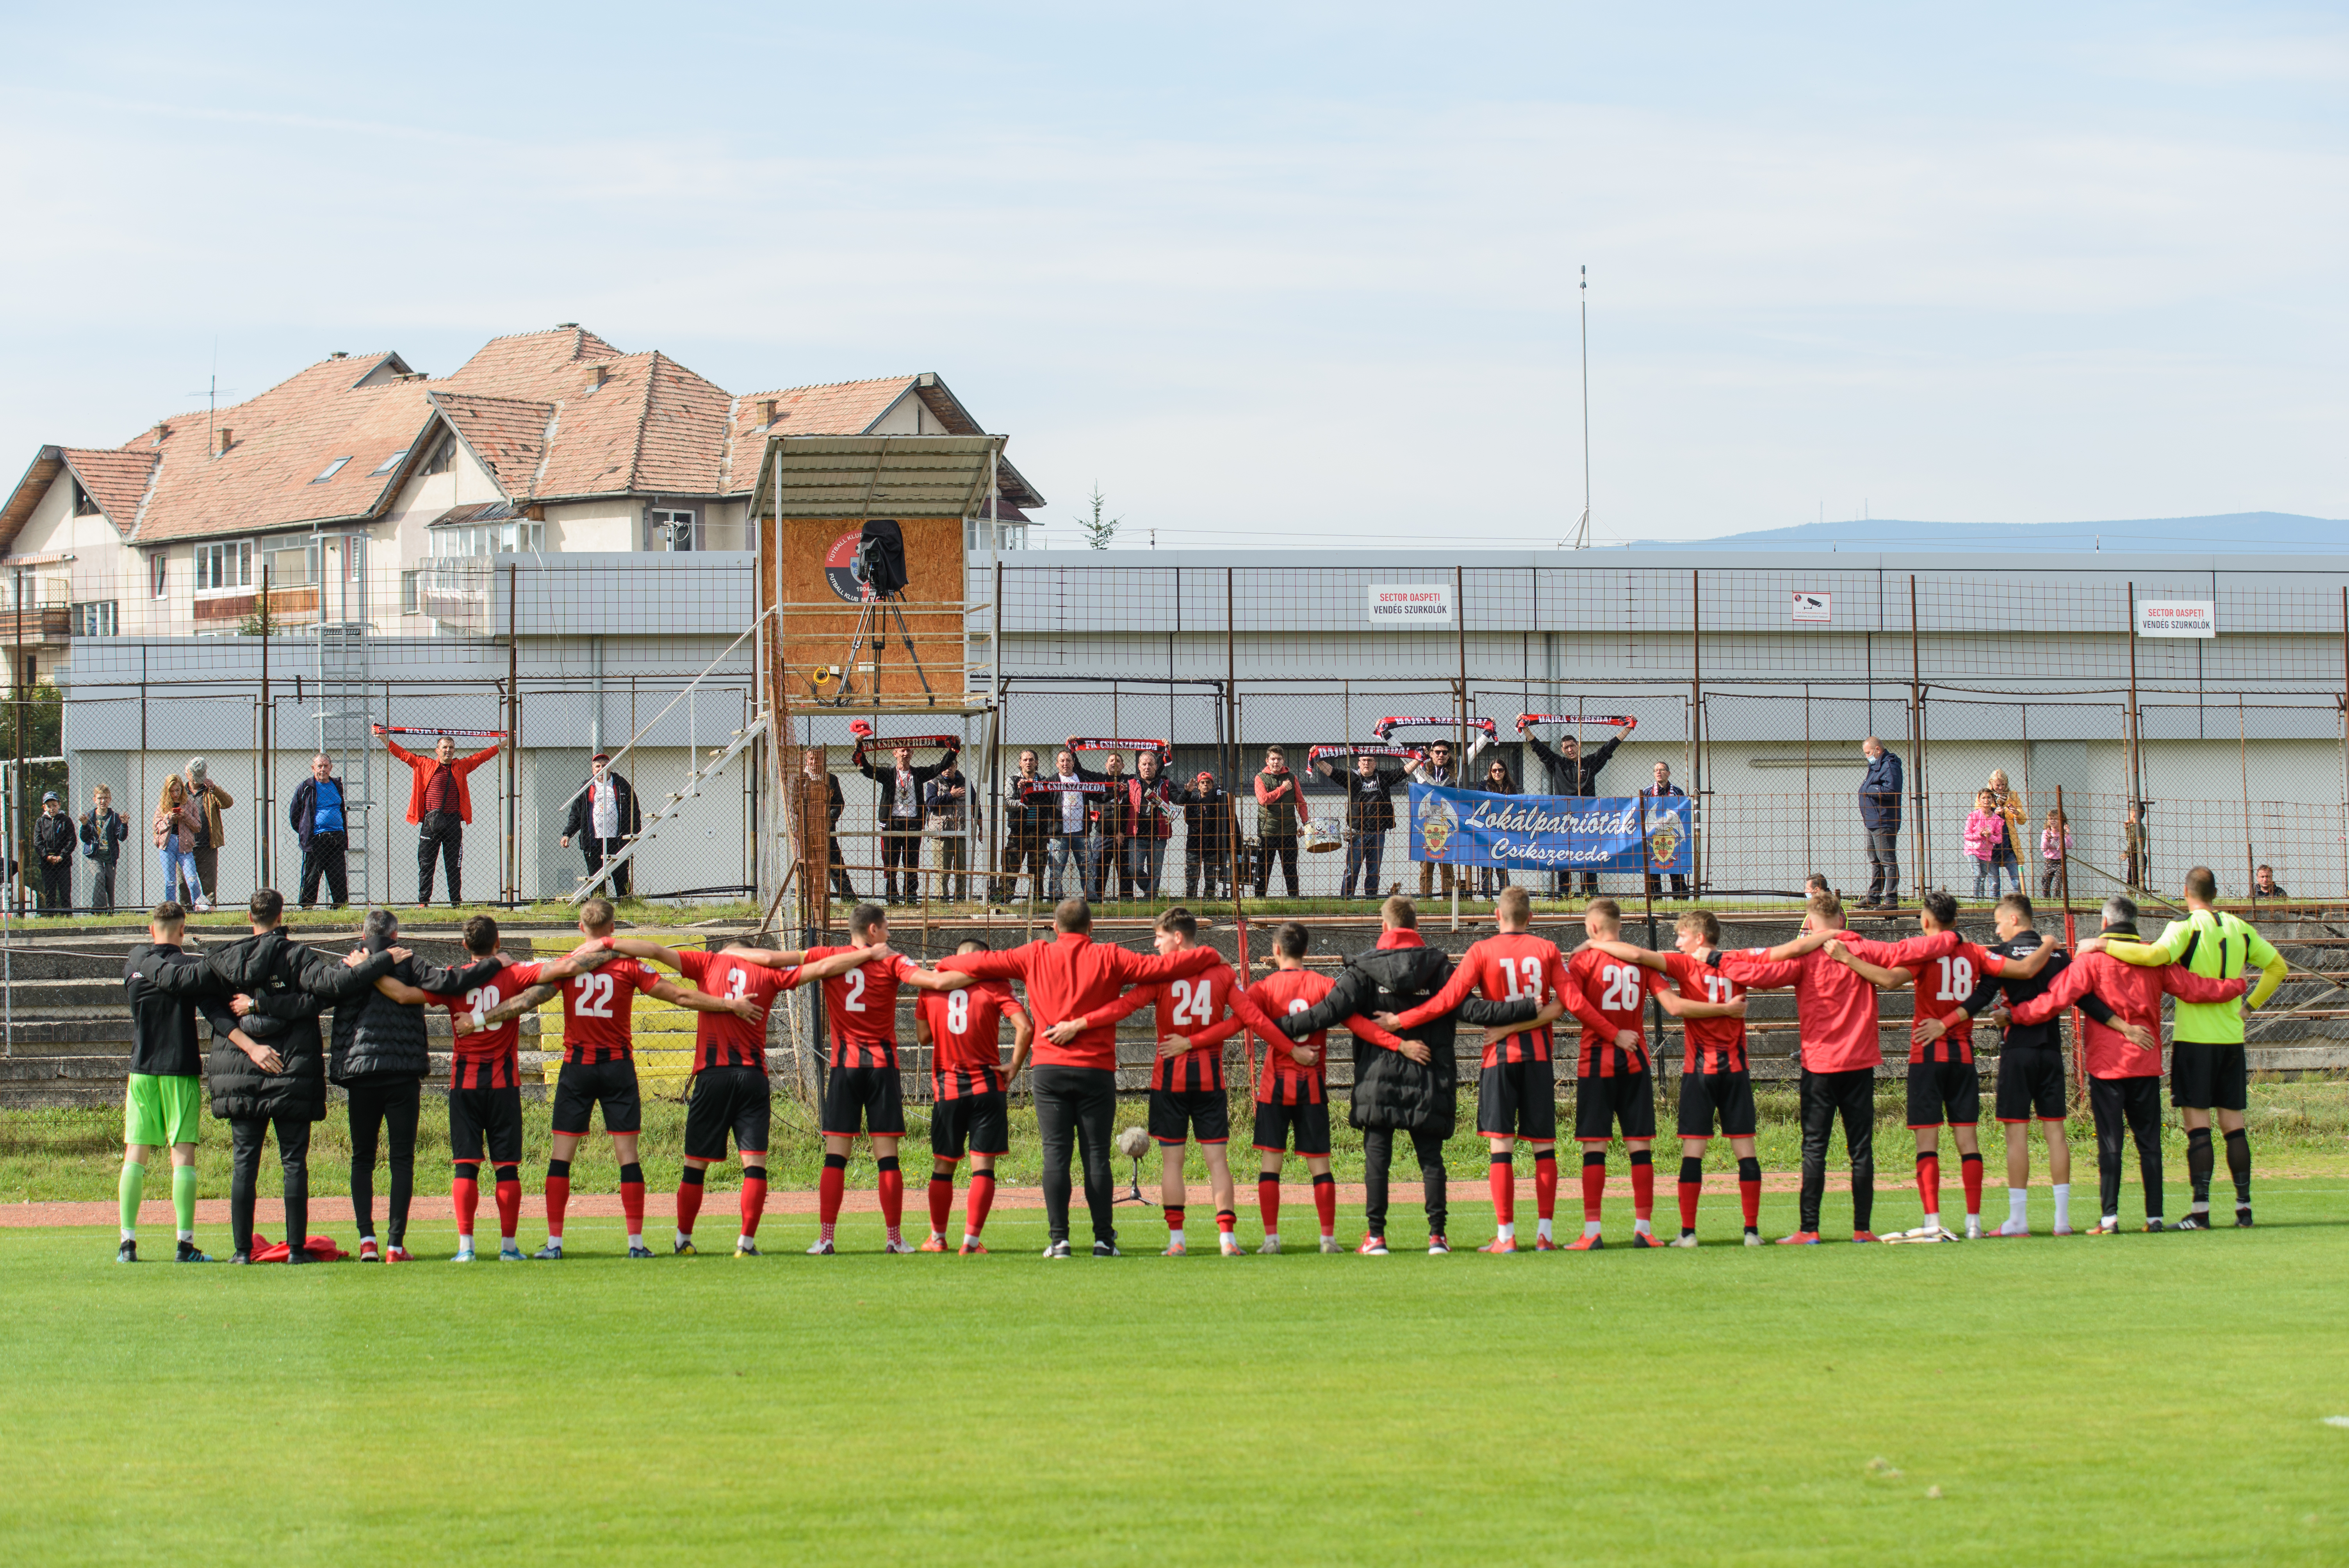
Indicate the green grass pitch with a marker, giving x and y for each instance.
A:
(2141, 1398)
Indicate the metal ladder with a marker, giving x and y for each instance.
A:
(341, 720)
(702, 773)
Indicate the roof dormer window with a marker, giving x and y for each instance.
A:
(330, 471)
(83, 505)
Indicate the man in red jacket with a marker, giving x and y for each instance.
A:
(1076, 1083)
(2125, 1059)
(439, 804)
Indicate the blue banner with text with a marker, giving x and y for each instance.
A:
(1545, 832)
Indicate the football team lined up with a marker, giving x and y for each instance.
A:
(1402, 1001)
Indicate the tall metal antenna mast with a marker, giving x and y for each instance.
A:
(1582, 528)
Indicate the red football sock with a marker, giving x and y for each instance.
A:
(509, 1196)
(754, 1198)
(688, 1204)
(892, 1184)
(1267, 1203)
(1643, 1184)
(1970, 1170)
(1325, 1202)
(1502, 1177)
(1225, 1222)
(941, 1202)
(829, 1190)
(1929, 1182)
(1690, 1191)
(978, 1201)
(1174, 1214)
(558, 1197)
(1594, 1185)
(632, 1200)
(1546, 1183)
(1749, 1190)
(465, 1197)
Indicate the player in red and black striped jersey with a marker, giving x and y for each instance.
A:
(1516, 1093)
(861, 1087)
(1292, 1090)
(968, 1083)
(730, 1090)
(1187, 1095)
(1716, 1084)
(1943, 1082)
(599, 1067)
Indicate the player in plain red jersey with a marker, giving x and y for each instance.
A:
(485, 1080)
(1714, 1077)
(730, 1090)
(1516, 1094)
(1187, 1094)
(599, 1067)
(971, 1104)
(1292, 1091)
(1944, 1084)
(861, 1089)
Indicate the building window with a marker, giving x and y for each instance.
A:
(389, 463)
(520, 537)
(408, 600)
(221, 567)
(289, 567)
(443, 454)
(158, 569)
(83, 505)
(671, 531)
(95, 618)
(330, 471)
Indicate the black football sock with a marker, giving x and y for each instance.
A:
(2239, 1165)
(2198, 1165)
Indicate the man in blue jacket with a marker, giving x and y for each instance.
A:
(1880, 814)
(324, 830)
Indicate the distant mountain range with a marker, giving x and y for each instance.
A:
(2258, 533)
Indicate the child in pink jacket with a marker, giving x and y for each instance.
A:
(2055, 845)
(1985, 831)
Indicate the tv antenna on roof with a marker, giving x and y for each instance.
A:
(212, 391)
(1582, 527)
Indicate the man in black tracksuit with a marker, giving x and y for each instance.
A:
(274, 991)
(899, 810)
(1415, 1090)
(1573, 771)
(1207, 837)
(380, 1058)
(1369, 816)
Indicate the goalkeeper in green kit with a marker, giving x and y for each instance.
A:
(161, 1104)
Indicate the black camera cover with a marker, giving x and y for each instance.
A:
(881, 557)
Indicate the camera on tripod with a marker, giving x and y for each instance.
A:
(880, 559)
(879, 566)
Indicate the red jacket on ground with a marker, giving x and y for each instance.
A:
(1072, 975)
(1835, 1007)
(421, 769)
(2134, 993)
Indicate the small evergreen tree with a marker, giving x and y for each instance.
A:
(1099, 529)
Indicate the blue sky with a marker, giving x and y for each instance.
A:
(1265, 272)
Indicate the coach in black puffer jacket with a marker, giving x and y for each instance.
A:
(1392, 1092)
(381, 1054)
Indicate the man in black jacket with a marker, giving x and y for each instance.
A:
(380, 1058)
(1414, 1089)
(604, 817)
(1207, 837)
(899, 810)
(1027, 823)
(53, 843)
(159, 1103)
(1573, 771)
(274, 991)
(1369, 816)
(812, 769)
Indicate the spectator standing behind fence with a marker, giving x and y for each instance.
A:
(1067, 820)
(2054, 849)
(1280, 811)
(103, 833)
(1207, 837)
(175, 839)
(2264, 886)
(1663, 788)
(947, 799)
(604, 817)
(1369, 815)
(1573, 773)
(1491, 880)
(440, 804)
(2008, 857)
(1985, 831)
(52, 842)
(322, 828)
(811, 768)
(2136, 848)
(1104, 847)
(1880, 797)
(900, 811)
(1438, 772)
(1150, 824)
(1027, 823)
(210, 800)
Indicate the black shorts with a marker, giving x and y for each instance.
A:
(723, 1100)
(869, 1100)
(1602, 1103)
(582, 1086)
(1310, 1123)
(2209, 1077)
(1519, 1099)
(493, 1113)
(1944, 1091)
(2029, 1084)
(1178, 1115)
(1727, 1096)
(980, 1122)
